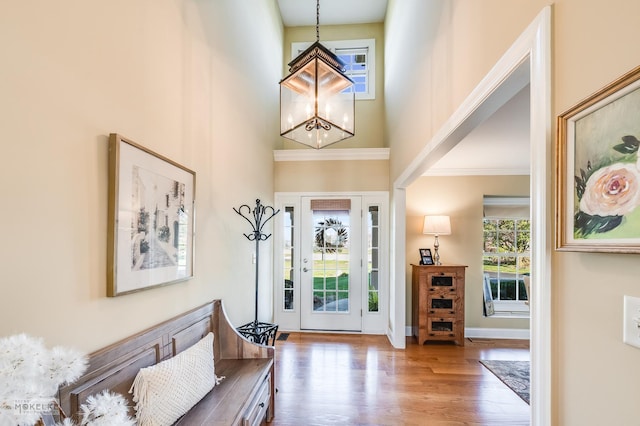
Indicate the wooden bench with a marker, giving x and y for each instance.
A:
(244, 397)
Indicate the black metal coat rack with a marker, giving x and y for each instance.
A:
(258, 332)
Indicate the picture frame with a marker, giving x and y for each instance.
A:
(151, 218)
(488, 308)
(598, 172)
(425, 256)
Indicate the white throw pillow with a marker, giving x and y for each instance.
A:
(165, 391)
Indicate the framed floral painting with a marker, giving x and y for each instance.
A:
(598, 171)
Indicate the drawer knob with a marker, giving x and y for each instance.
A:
(262, 405)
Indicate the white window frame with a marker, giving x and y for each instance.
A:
(369, 44)
(509, 308)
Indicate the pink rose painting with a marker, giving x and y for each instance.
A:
(598, 170)
(607, 194)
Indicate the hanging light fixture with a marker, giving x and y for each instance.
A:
(315, 108)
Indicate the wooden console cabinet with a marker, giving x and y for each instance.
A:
(438, 303)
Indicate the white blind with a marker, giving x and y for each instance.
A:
(498, 207)
(331, 204)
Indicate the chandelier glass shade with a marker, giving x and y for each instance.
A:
(315, 107)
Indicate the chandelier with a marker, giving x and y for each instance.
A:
(315, 107)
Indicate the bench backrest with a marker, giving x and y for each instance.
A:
(115, 367)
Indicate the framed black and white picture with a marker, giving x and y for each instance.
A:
(151, 219)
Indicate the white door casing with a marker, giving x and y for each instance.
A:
(372, 263)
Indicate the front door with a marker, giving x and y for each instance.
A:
(331, 263)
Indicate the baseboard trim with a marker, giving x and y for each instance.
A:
(491, 333)
(498, 333)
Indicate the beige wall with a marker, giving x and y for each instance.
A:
(595, 375)
(369, 112)
(328, 176)
(452, 45)
(180, 78)
(460, 197)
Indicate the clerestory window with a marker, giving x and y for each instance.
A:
(359, 57)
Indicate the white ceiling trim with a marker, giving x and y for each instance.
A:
(345, 154)
(477, 172)
(297, 13)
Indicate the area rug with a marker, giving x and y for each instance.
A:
(514, 374)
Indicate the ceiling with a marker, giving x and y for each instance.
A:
(297, 13)
(498, 146)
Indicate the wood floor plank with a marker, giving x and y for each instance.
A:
(342, 379)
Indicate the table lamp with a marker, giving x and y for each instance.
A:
(436, 225)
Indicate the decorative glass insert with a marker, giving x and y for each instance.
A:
(331, 282)
(442, 281)
(442, 326)
(441, 303)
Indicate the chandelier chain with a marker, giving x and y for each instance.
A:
(318, 20)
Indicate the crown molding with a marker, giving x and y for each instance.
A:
(477, 172)
(345, 154)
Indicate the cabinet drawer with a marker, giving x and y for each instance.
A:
(442, 283)
(259, 406)
(441, 305)
(442, 327)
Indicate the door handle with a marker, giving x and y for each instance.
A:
(305, 270)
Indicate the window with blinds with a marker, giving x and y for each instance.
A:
(506, 257)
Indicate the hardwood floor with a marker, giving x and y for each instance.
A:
(338, 379)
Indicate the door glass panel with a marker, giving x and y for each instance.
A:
(331, 283)
(372, 255)
(288, 296)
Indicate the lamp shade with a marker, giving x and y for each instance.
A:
(436, 225)
(315, 110)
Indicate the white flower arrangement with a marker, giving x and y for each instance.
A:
(31, 375)
(106, 409)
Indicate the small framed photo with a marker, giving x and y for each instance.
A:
(425, 256)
